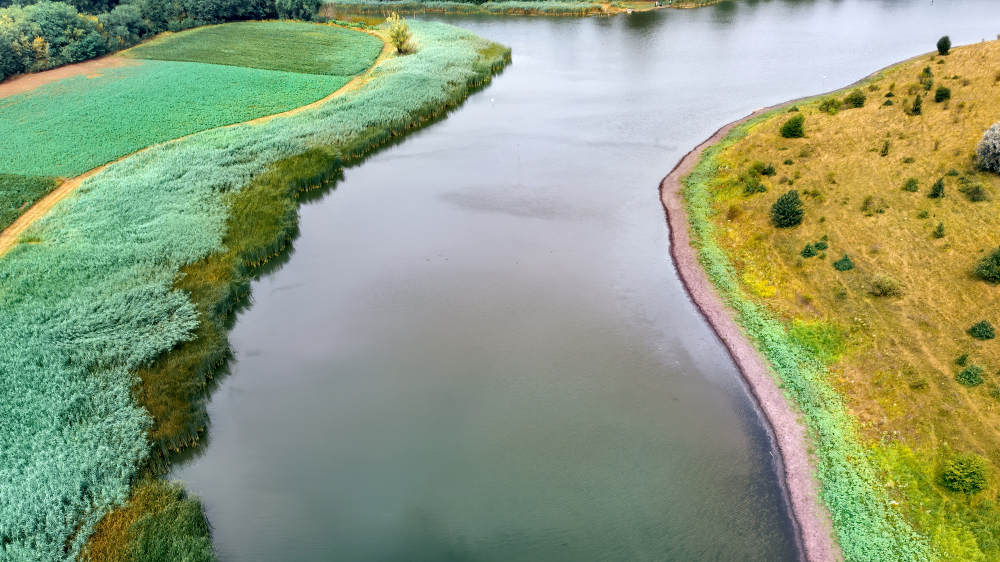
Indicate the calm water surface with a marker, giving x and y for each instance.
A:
(478, 349)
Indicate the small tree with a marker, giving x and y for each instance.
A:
(917, 107)
(844, 264)
(982, 330)
(988, 268)
(989, 149)
(944, 45)
(855, 99)
(937, 190)
(793, 128)
(942, 94)
(399, 33)
(787, 211)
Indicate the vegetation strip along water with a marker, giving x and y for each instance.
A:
(121, 284)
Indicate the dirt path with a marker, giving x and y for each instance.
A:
(9, 236)
(27, 82)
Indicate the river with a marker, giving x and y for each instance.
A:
(478, 348)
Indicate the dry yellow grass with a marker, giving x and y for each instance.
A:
(897, 354)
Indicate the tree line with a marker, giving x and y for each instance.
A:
(41, 35)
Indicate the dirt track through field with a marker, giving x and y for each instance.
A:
(9, 236)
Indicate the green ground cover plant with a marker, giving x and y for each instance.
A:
(276, 45)
(68, 127)
(147, 258)
(17, 193)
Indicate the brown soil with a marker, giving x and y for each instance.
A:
(815, 527)
(22, 83)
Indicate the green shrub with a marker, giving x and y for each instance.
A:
(923, 214)
(788, 162)
(752, 185)
(988, 268)
(970, 376)
(937, 190)
(952, 172)
(942, 94)
(976, 193)
(821, 245)
(887, 103)
(885, 148)
(917, 107)
(855, 100)
(911, 185)
(988, 149)
(890, 95)
(962, 359)
(944, 45)
(831, 105)
(762, 169)
(787, 211)
(939, 231)
(399, 33)
(809, 251)
(982, 330)
(844, 264)
(794, 128)
(883, 286)
(965, 473)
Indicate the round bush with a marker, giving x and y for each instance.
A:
(787, 211)
(844, 264)
(942, 94)
(982, 331)
(944, 45)
(809, 251)
(793, 128)
(989, 149)
(965, 473)
(970, 376)
(855, 99)
(988, 268)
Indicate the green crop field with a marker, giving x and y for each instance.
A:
(293, 47)
(17, 193)
(68, 127)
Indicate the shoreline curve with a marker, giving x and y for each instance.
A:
(813, 524)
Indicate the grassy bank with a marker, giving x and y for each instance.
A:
(115, 303)
(875, 356)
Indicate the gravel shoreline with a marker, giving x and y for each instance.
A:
(815, 528)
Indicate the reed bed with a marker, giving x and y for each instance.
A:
(125, 286)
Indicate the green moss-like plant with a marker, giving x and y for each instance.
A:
(965, 473)
(794, 128)
(982, 331)
(787, 211)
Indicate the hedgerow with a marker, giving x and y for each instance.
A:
(96, 297)
(90, 121)
(867, 526)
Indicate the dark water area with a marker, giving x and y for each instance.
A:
(479, 350)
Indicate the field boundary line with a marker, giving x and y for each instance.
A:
(10, 235)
